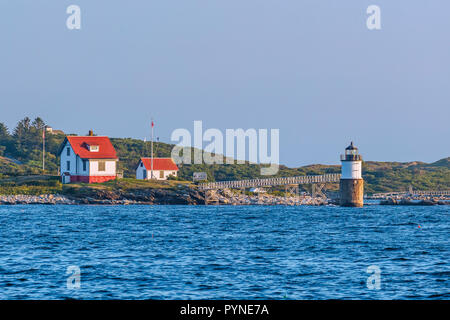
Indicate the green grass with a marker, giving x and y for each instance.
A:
(130, 183)
(30, 186)
(46, 185)
(29, 190)
(119, 185)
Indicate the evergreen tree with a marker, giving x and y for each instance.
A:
(26, 139)
(4, 133)
(38, 124)
(22, 128)
(5, 138)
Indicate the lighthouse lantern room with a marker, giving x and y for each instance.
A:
(351, 163)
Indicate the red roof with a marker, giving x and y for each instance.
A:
(160, 164)
(80, 146)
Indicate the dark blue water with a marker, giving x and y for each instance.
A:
(187, 252)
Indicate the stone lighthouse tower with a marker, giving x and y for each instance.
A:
(352, 184)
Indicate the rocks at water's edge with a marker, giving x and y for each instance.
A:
(42, 199)
(104, 197)
(228, 197)
(183, 196)
(405, 202)
(187, 196)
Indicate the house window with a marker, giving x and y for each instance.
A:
(84, 165)
(68, 151)
(141, 164)
(68, 164)
(101, 166)
(145, 174)
(161, 174)
(93, 148)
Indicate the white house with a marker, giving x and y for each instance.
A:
(88, 159)
(162, 168)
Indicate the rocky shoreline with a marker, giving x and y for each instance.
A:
(104, 197)
(406, 202)
(185, 196)
(41, 199)
(227, 197)
(148, 199)
(181, 196)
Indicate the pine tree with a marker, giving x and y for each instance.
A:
(4, 132)
(5, 139)
(38, 123)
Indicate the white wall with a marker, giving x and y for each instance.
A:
(82, 172)
(167, 173)
(140, 173)
(64, 158)
(351, 170)
(110, 168)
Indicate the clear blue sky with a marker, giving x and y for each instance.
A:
(310, 68)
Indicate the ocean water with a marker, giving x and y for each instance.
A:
(226, 252)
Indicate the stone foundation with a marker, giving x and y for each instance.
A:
(352, 192)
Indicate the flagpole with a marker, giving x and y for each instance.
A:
(43, 149)
(151, 175)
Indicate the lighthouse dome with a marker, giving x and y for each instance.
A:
(351, 147)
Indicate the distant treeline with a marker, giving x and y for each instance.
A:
(21, 152)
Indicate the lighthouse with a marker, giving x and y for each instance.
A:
(352, 183)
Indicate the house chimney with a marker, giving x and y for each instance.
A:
(91, 133)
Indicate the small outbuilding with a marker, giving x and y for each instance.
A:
(162, 168)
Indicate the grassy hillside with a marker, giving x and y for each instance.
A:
(37, 185)
(21, 154)
(391, 176)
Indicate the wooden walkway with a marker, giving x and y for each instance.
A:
(255, 183)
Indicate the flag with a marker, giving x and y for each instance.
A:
(153, 124)
(43, 133)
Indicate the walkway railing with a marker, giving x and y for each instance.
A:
(254, 183)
